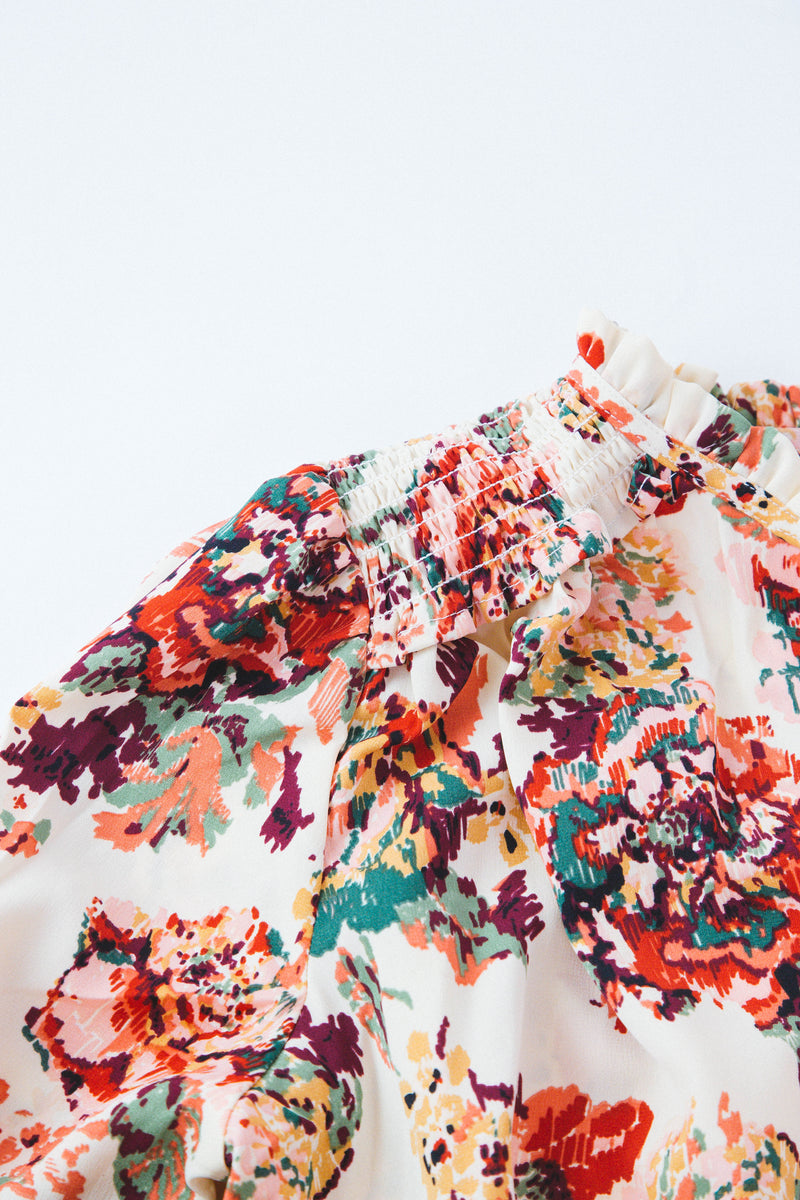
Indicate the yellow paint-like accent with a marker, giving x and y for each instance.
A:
(40, 699)
(419, 1046)
(302, 908)
(457, 1064)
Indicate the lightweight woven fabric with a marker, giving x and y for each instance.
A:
(429, 829)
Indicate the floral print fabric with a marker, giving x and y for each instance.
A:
(429, 829)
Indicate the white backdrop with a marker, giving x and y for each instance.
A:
(239, 236)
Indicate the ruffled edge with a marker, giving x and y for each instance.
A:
(680, 403)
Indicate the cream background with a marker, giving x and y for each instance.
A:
(238, 236)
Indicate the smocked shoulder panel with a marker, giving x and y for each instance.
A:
(455, 530)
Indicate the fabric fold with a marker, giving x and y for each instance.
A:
(167, 785)
(429, 828)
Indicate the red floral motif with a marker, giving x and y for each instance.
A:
(181, 624)
(677, 869)
(205, 619)
(278, 584)
(150, 998)
(593, 1146)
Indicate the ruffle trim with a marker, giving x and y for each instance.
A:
(751, 430)
(468, 526)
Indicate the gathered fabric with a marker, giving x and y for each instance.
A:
(429, 829)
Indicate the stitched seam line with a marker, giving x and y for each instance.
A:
(433, 441)
(540, 533)
(540, 398)
(785, 514)
(457, 500)
(517, 508)
(408, 529)
(417, 488)
(567, 479)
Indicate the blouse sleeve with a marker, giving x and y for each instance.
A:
(162, 828)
